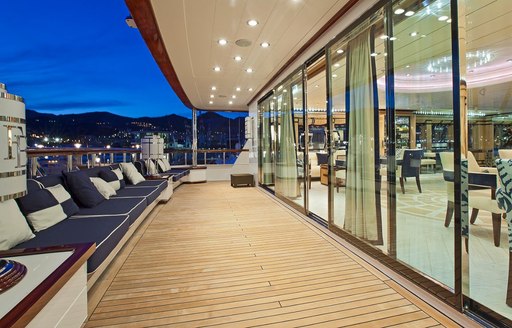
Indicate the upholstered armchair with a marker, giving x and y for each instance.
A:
(504, 199)
(505, 153)
(473, 166)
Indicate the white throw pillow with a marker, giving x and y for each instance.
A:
(166, 163)
(14, 228)
(131, 173)
(151, 167)
(103, 187)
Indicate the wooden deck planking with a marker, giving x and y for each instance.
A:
(225, 257)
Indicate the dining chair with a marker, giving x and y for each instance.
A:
(473, 165)
(504, 199)
(505, 153)
(410, 167)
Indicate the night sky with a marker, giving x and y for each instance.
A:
(76, 56)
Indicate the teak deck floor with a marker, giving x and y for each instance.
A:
(219, 256)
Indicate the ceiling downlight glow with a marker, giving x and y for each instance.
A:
(238, 89)
(265, 44)
(214, 88)
(399, 11)
(216, 69)
(252, 22)
(442, 18)
(237, 58)
(409, 13)
(249, 70)
(222, 42)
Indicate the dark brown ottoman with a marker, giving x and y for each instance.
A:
(244, 179)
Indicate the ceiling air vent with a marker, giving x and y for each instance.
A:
(243, 43)
(222, 96)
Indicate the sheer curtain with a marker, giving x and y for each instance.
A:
(266, 146)
(286, 175)
(362, 215)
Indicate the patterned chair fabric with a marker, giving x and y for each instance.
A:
(504, 193)
(464, 202)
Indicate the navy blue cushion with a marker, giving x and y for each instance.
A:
(110, 176)
(35, 201)
(133, 207)
(33, 185)
(106, 232)
(161, 184)
(82, 189)
(95, 172)
(150, 193)
(52, 180)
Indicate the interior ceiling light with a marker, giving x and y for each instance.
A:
(212, 96)
(449, 21)
(413, 34)
(399, 11)
(409, 13)
(230, 102)
(250, 89)
(233, 96)
(265, 44)
(216, 69)
(238, 89)
(249, 70)
(237, 58)
(210, 102)
(442, 18)
(383, 37)
(423, 36)
(252, 22)
(393, 38)
(339, 51)
(214, 88)
(223, 42)
(374, 54)
(316, 86)
(334, 76)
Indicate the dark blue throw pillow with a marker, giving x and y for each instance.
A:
(116, 181)
(82, 189)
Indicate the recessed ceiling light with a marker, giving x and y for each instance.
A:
(374, 54)
(265, 44)
(399, 11)
(212, 96)
(237, 58)
(250, 89)
(442, 18)
(252, 22)
(316, 85)
(210, 102)
(407, 66)
(393, 38)
(413, 33)
(233, 96)
(238, 89)
(249, 70)
(223, 42)
(409, 13)
(383, 37)
(216, 69)
(230, 102)
(340, 51)
(335, 75)
(214, 88)
(423, 36)
(449, 21)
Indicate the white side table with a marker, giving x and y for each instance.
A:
(53, 293)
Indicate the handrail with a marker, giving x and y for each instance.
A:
(36, 152)
(182, 150)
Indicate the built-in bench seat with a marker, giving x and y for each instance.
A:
(109, 224)
(105, 231)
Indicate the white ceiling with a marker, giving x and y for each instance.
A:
(191, 28)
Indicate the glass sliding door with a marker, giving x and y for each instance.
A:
(486, 69)
(290, 172)
(317, 133)
(423, 87)
(267, 143)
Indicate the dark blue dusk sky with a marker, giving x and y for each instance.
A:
(75, 56)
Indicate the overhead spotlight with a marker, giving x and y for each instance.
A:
(230, 102)
(337, 65)
(210, 102)
(249, 70)
(383, 37)
(238, 89)
(252, 22)
(393, 38)
(223, 42)
(250, 89)
(409, 13)
(374, 54)
(212, 96)
(399, 11)
(449, 20)
(216, 69)
(265, 44)
(214, 88)
(442, 18)
(237, 58)
(233, 96)
(413, 34)
(339, 51)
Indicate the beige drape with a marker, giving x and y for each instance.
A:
(361, 217)
(286, 169)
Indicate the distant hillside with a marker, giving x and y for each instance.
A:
(75, 126)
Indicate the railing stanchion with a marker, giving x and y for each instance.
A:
(70, 163)
(223, 157)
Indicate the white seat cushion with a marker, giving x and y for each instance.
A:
(15, 228)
